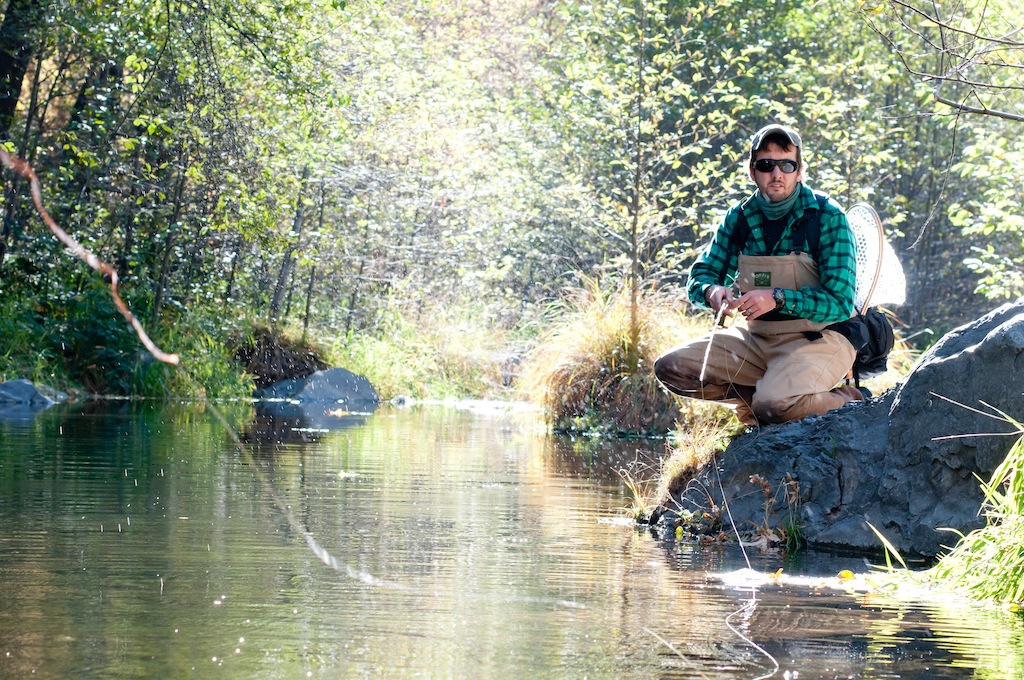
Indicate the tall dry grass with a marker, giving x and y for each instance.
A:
(589, 377)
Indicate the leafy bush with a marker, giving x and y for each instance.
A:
(22, 354)
(98, 348)
(79, 339)
(208, 368)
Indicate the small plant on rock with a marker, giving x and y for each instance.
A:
(780, 531)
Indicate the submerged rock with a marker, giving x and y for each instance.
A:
(906, 462)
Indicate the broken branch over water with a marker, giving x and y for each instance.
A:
(22, 167)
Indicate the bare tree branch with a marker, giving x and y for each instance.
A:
(947, 26)
(21, 167)
(969, 51)
(959, 106)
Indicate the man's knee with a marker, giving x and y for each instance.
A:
(663, 368)
(666, 370)
(678, 374)
(675, 365)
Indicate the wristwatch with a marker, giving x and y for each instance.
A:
(780, 297)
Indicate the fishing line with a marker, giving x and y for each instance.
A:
(686, 660)
(752, 602)
(333, 562)
(719, 320)
(728, 512)
(749, 606)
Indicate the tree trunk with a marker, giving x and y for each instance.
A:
(633, 352)
(289, 256)
(309, 302)
(165, 265)
(236, 261)
(20, 19)
(353, 298)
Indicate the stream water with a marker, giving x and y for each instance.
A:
(176, 540)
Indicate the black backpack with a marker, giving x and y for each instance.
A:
(870, 332)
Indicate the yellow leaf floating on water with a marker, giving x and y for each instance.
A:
(777, 575)
(846, 574)
(679, 533)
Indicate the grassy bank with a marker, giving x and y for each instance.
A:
(434, 353)
(80, 344)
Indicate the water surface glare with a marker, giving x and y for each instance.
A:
(166, 540)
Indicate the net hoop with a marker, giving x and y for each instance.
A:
(880, 277)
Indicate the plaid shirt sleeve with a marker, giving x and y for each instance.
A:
(837, 268)
(717, 265)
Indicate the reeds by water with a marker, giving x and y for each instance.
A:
(988, 563)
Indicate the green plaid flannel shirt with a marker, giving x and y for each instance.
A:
(837, 262)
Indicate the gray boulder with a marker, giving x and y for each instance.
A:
(20, 399)
(335, 386)
(898, 461)
(327, 400)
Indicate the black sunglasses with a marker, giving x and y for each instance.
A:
(787, 165)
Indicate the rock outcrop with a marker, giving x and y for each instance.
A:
(20, 399)
(908, 462)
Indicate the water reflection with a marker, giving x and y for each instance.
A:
(146, 540)
(288, 422)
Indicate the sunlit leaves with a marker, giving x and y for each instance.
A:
(642, 133)
(873, 6)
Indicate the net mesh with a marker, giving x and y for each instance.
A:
(891, 287)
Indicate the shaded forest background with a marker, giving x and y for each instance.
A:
(402, 182)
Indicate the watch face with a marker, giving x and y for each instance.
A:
(780, 297)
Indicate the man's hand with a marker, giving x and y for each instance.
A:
(718, 296)
(755, 303)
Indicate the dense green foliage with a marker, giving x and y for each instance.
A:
(354, 171)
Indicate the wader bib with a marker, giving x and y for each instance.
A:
(780, 367)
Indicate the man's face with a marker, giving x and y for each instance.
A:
(776, 185)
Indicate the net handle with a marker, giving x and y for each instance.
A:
(881, 252)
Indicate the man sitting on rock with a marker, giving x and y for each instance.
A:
(791, 254)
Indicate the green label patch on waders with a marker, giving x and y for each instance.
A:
(762, 279)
